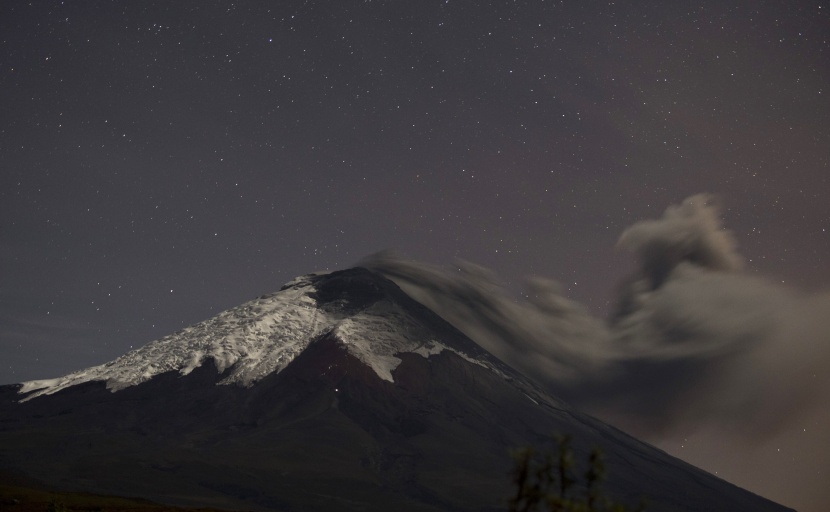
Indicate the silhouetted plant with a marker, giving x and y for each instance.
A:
(546, 482)
(56, 506)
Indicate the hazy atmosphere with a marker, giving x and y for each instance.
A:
(627, 202)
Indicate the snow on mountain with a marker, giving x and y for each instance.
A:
(264, 335)
(364, 400)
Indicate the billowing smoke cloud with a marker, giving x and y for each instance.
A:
(696, 344)
(690, 232)
(730, 339)
(549, 336)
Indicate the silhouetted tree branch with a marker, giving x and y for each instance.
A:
(542, 485)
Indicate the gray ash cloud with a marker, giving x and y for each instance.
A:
(696, 344)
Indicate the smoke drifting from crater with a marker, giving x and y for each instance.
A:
(696, 345)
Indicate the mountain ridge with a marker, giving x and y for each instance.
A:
(263, 335)
(330, 429)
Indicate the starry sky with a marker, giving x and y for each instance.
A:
(163, 161)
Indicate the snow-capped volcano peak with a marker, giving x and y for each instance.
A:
(368, 314)
(322, 352)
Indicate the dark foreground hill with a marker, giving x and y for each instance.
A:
(337, 393)
(25, 495)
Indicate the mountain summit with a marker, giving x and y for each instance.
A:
(369, 315)
(338, 392)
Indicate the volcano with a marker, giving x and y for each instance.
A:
(338, 392)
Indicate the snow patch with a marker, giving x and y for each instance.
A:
(429, 349)
(32, 385)
(263, 336)
(531, 399)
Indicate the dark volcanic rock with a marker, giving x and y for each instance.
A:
(328, 433)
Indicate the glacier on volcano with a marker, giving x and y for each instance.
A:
(263, 336)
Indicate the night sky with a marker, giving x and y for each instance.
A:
(163, 161)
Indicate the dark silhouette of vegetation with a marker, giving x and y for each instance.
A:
(56, 506)
(546, 482)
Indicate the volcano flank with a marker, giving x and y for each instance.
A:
(339, 392)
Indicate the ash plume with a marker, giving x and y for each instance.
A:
(696, 346)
